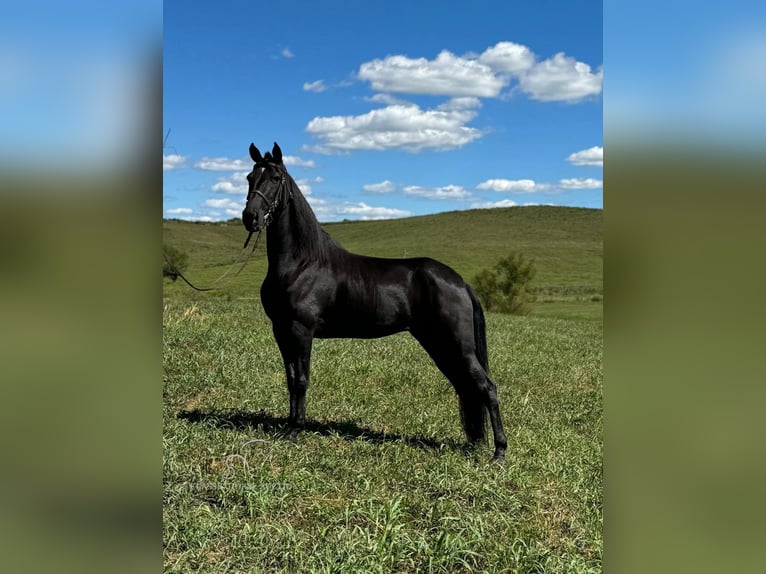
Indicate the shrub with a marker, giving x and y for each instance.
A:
(505, 287)
(174, 261)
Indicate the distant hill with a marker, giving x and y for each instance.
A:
(565, 242)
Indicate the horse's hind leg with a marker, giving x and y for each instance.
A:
(488, 391)
(294, 343)
(476, 390)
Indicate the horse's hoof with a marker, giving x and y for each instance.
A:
(293, 436)
(498, 457)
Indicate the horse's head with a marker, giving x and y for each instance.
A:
(266, 188)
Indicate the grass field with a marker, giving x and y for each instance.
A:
(566, 244)
(380, 481)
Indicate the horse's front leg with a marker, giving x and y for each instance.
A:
(294, 342)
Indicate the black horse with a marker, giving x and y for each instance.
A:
(315, 288)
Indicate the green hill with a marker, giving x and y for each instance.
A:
(566, 244)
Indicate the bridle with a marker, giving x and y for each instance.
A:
(271, 208)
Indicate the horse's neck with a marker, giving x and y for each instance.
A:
(280, 241)
(293, 235)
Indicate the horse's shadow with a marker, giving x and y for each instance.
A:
(279, 427)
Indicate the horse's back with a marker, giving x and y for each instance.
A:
(375, 297)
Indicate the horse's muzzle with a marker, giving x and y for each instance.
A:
(251, 220)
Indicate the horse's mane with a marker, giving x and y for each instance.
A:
(311, 241)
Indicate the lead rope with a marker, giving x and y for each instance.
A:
(270, 211)
(211, 287)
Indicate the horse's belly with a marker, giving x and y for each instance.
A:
(347, 321)
(357, 331)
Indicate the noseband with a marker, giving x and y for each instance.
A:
(270, 207)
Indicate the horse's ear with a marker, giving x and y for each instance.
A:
(255, 154)
(277, 153)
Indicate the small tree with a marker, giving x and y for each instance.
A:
(504, 288)
(174, 261)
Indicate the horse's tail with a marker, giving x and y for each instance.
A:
(473, 410)
(479, 330)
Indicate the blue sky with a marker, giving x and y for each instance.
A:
(384, 109)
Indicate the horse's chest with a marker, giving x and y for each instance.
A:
(274, 300)
(292, 302)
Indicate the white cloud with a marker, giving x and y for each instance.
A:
(464, 79)
(397, 126)
(292, 160)
(218, 209)
(531, 186)
(580, 183)
(304, 185)
(316, 202)
(205, 218)
(371, 212)
(493, 204)
(317, 86)
(591, 156)
(444, 192)
(228, 164)
(447, 75)
(222, 164)
(462, 103)
(513, 185)
(180, 211)
(508, 57)
(561, 78)
(287, 53)
(385, 186)
(387, 99)
(326, 211)
(172, 161)
(235, 183)
(224, 203)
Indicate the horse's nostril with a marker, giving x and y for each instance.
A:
(249, 219)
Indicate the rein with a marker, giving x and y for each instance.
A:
(212, 287)
(267, 218)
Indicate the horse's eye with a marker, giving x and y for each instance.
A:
(275, 178)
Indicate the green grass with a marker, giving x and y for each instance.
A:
(380, 481)
(566, 244)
